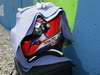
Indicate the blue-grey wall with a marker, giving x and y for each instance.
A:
(10, 9)
(9, 14)
(86, 46)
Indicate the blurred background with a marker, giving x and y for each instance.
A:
(84, 21)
